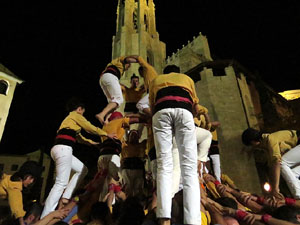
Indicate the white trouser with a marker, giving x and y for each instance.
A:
(165, 123)
(114, 165)
(133, 180)
(65, 162)
(111, 88)
(176, 178)
(290, 170)
(204, 138)
(216, 164)
(114, 171)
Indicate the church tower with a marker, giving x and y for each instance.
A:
(136, 35)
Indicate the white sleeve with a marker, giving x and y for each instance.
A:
(143, 103)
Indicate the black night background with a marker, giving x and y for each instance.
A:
(59, 49)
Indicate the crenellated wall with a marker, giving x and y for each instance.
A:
(222, 96)
(192, 54)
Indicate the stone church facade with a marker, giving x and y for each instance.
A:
(234, 96)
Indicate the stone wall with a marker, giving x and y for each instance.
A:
(221, 95)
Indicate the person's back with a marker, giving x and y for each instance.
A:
(173, 101)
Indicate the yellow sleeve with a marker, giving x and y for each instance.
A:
(126, 122)
(273, 150)
(15, 199)
(149, 73)
(88, 127)
(199, 109)
(225, 179)
(151, 96)
(204, 220)
(119, 63)
(197, 121)
(212, 189)
(193, 92)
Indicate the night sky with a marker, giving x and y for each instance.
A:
(60, 48)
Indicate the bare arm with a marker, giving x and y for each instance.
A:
(131, 59)
(21, 221)
(216, 216)
(270, 220)
(55, 216)
(147, 112)
(137, 120)
(247, 201)
(275, 177)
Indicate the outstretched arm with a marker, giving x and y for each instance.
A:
(137, 120)
(131, 59)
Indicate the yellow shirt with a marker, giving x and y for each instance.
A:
(132, 94)
(76, 121)
(205, 218)
(117, 126)
(214, 135)
(211, 187)
(133, 150)
(226, 179)
(202, 121)
(12, 190)
(174, 80)
(278, 143)
(149, 72)
(119, 63)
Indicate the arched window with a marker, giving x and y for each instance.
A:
(146, 22)
(3, 87)
(135, 20)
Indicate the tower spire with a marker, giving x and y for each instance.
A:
(136, 34)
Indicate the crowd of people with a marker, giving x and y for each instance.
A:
(171, 177)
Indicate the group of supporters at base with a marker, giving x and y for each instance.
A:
(180, 189)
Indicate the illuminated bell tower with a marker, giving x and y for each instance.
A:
(136, 35)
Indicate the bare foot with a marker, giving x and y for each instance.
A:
(100, 117)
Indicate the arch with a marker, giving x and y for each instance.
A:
(135, 20)
(3, 87)
(150, 57)
(146, 22)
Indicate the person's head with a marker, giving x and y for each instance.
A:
(132, 212)
(251, 137)
(115, 115)
(134, 81)
(171, 69)
(28, 173)
(287, 213)
(33, 213)
(133, 136)
(100, 212)
(227, 202)
(75, 104)
(60, 223)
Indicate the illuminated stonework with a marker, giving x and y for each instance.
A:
(291, 94)
(8, 83)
